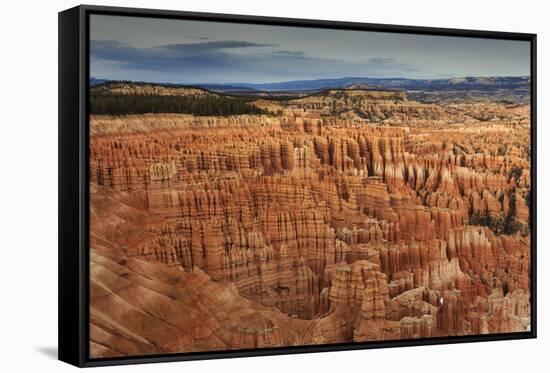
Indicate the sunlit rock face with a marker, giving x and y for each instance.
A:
(347, 216)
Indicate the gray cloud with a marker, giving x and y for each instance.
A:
(225, 59)
(117, 51)
(171, 50)
(211, 46)
(293, 53)
(113, 50)
(382, 60)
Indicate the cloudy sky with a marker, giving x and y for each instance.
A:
(181, 51)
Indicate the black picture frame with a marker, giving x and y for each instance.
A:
(73, 183)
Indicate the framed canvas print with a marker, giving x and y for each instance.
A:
(239, 186)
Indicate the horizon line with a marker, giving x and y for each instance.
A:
(317, 79)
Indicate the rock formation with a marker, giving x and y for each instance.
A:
(403, 220)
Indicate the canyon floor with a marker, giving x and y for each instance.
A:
(343, 216)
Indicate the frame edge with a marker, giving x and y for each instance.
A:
(70, 294)
(306, 22)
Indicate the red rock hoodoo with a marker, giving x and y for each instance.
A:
(349, 216)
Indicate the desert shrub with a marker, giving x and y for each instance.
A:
(503, 224)
(515, 173)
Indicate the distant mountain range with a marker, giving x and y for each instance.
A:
(466, 83)
(226, 87)
(95, 81)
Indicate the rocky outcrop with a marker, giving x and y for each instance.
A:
(360, 103)
(127, 88)
(141, 308)
(404, 220)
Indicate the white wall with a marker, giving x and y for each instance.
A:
(28, 184)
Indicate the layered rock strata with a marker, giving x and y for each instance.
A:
(214, 233)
